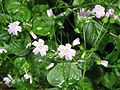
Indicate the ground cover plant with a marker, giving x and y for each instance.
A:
(60, 44)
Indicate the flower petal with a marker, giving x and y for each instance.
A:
(35, 43)
(40, 41)
(36, 50)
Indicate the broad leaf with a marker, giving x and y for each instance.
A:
(18, 46)
(42, 24)
(63, 72)
(109, 80)
(18, 11)
(21, 63)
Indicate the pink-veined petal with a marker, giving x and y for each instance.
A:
(40, 41)
(61, 48)
(35, 43)
(68, 45)
(36, 51)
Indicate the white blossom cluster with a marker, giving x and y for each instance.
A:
(7, 80)
(98, 11)
(63, 51)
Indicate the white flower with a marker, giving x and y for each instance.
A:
(110, 12)
(8, 79)
(66, 51)
(76, 42)
(104, 63)
(99, 11)
(3, 50)
(33, 35)
(50, 13)
(14, 28)
(28, 76)
(40, 47)
(50, 66)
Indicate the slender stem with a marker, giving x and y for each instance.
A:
(112, 34)
(84, 31)
(83, 76)
(81, 5)
(96, 41)
(2, 7)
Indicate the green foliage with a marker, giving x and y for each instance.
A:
(4, 18)
(4, 37)
(21, 63)
(85, 84)
(67, 73)
(78, 2)
(40, 8)
(109, 80)
(17, 10)
(42, 24)
(18, 46)
(48, 70)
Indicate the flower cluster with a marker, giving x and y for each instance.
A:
(98, 11)
(63, 51)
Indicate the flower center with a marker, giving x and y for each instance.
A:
(66, 50)
(14, 27)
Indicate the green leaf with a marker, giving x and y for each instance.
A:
(85, 84)
(18, 11)
(4, 36)
(118, 21)
(42, 25)
(63, 72)
(117, 42)
(20, 84)
(105, 20)
(109, 80)
(112, 20)
(90, 31)
(18, 46)
(21, 63)
(40, 8)
(52, 45)
(78, 2)
(113, 56)
(38, 64)
(4, 18)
